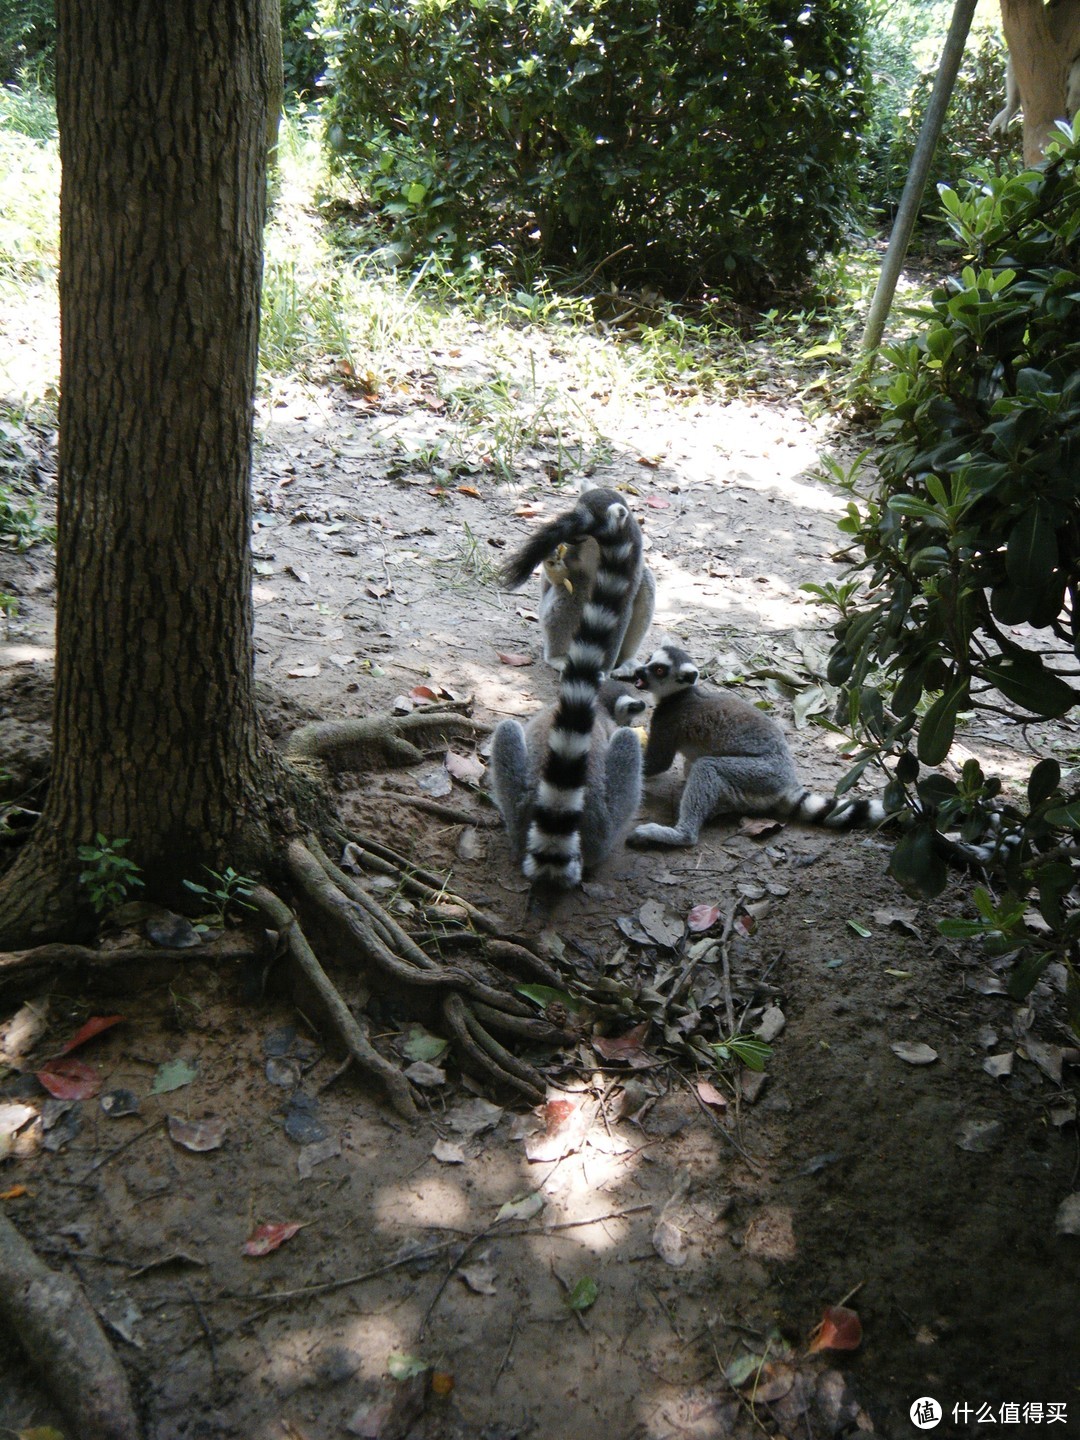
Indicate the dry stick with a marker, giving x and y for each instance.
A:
(126, 1145)
(506, 1354)
(348, 1028)
(64, 1342)
(421, 882)
(455, 1264)
(416, 1257)
(725, 960)
(449, 813)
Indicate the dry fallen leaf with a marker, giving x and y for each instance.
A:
(94, 1026)
(466, 768)
(628, 1048)
(914, 1052)
(839, 1329)
(197, 1135)
(268, 1237)
(70, 1079)
(701, 917)
(510, 658)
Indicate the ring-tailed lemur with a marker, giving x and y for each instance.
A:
(738, 759)
(569, 782)
(623, 702)
(566, 578)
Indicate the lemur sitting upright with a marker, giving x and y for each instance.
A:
(569, 783)
(738, 759)
(566, 581)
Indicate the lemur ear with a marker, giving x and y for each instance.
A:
(687, 674)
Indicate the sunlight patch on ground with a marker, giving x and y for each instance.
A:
(426, 1200)
(29, 344)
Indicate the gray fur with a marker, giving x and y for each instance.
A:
(566, 579)
(613, 789)
(570, 781)
(738, 760)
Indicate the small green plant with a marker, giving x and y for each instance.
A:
(230, 888)
(109, 877)
(745, 1050)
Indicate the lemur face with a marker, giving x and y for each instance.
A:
(668, 671)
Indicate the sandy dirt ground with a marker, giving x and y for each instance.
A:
(654, 1269)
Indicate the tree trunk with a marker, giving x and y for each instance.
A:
(162, 111)
(1042, 41)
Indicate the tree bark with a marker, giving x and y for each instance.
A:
(1042, 41)
(163, 114)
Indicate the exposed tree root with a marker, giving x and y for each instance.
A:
(472, 994)
(24, 971)
(374, 742)
(458, 966)
(348, 1028)
(64, 1342)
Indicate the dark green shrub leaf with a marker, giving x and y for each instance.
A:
(1043, 781)
(1022, 677)
(907, 768)
(1067, 816)
(1024, 978)
(1010, 605)
(939, 724)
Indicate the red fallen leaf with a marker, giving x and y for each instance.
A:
(528, 512)
(565, 1125)
(745, 924)
(840, 1329)
(470, 490)
(70, 1079)
(423, 692)
(511, 659)
(627, 1048)
(558, 1113)
(269, 1237)
(657, 502)
(702, 916)
(94, 1026)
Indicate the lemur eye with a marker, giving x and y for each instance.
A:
(659, 671)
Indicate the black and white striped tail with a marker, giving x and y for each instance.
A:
(553, 847)
(835, 812)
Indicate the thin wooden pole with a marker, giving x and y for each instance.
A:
(951, 55)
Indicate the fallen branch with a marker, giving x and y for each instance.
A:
(52, 1319)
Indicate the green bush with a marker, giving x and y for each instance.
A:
(965, 141)
(27, 40)
(971, 545)
(302, 53)
(712, 144)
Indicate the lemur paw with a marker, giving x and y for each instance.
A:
(657, 835)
